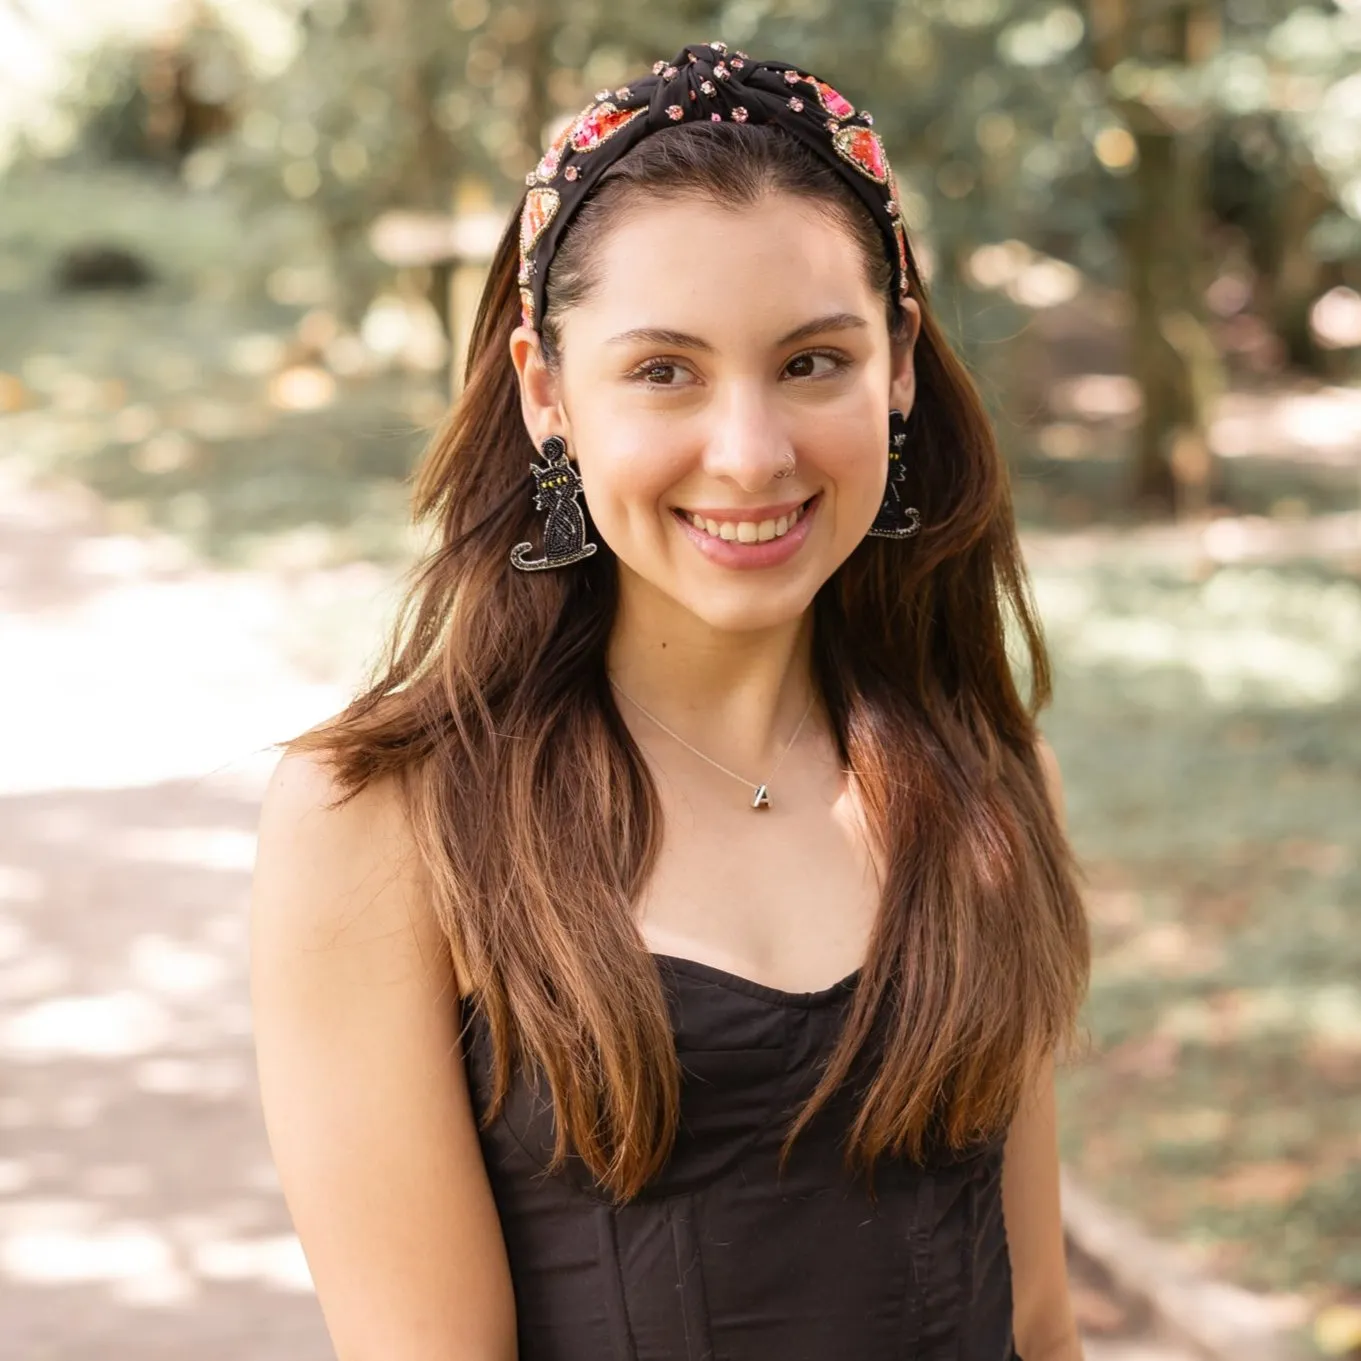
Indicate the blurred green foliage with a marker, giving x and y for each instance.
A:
(1154, 146)
(1006, 118)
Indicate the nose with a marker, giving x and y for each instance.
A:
(747, 443)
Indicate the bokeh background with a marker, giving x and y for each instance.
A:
(240, 245)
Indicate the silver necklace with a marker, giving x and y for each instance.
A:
(761, 794)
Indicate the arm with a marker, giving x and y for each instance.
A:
(1043, 1322)
(361, 1078)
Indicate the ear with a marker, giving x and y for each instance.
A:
(540, 402)
(903, 378)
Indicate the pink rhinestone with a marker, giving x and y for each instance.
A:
(739, 114)
(669, 73)
(833, 125)
(792, 77)
(719, 47)
(599, 124)
(675, 112)
(622, 92)
(722, 72)
(737, 63)
(570, 173)
(715, 117)
(892, 208)
(602, 94)
(868, 117)
(708, 87)
(658, 67)
(796, 104)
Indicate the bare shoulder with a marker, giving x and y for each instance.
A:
(365, 1097)
(1053, 776)
(360, 850)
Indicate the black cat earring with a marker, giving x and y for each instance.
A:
(895, 520)
(556, 485)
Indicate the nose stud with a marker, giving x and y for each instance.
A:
(788, 469)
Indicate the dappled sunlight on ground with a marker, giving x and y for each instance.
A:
(1208, 721)
(137, 1196)
(138, 1204)
(1246, 635)
(152, 669)
(1325, 422)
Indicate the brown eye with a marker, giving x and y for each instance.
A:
(658, 373)
(801, 366)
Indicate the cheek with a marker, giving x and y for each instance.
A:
(628, 483)
(854, 461)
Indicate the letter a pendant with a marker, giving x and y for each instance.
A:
(762, 800)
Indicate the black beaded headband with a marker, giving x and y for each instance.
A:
(704, 82)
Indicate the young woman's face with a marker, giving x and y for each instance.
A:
(719, 344)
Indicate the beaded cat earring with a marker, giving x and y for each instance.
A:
(556, 485)
(895, 520)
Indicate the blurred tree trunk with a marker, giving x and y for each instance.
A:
(404, 35)
(406, 30)
(1174, 358)
(1293, 275)
(534, 58)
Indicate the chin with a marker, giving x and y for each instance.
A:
(748, 609)
(725, 599)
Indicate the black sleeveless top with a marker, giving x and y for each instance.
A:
(717, 1260)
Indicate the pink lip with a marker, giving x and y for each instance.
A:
(750, 556)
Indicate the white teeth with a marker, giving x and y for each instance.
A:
(747, 531)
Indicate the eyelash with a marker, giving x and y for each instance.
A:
(842, 361)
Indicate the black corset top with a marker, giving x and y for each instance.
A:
(721, 1260)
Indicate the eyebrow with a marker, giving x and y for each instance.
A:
(660, 335)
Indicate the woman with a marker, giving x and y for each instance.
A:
(666, 957)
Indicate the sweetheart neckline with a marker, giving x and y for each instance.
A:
(764, 991)
(738, 983)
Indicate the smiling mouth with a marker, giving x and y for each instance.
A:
(746, 531)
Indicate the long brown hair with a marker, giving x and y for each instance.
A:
(538, 820)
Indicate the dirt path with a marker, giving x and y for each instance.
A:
(140, 1216)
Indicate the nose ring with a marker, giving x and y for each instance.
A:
(788, 469)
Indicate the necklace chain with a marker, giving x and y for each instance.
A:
(741, 779)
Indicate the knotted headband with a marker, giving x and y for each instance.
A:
(703, 83)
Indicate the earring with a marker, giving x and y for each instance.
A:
(895, 520)
(556, 485)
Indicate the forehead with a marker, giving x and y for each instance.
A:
(691, 259)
